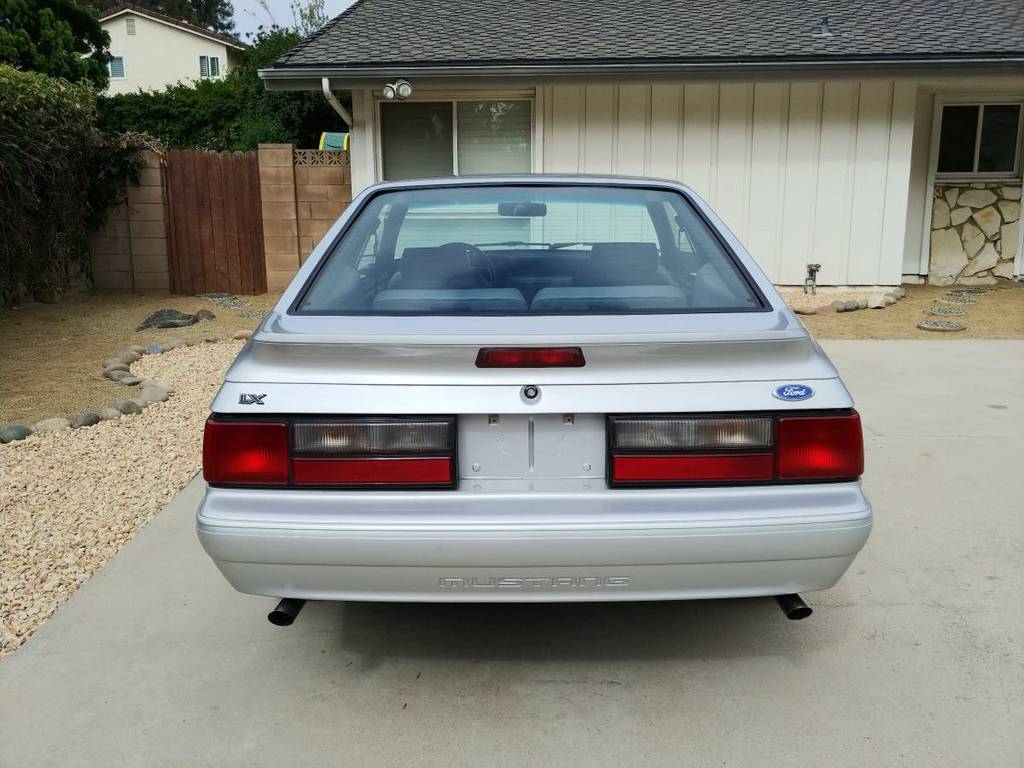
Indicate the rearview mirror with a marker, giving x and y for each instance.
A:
(522, 209)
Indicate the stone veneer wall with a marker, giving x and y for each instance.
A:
(975, 233)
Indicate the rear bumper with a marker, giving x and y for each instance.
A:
(511, 544)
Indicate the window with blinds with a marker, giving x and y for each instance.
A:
(116, 67)
(209, 67)
(443, 138)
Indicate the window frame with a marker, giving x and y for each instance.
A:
(975, 175)
(454, 100)
(209, 57)
(110, 68)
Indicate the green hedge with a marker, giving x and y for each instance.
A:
(236, 113)
(58, 177)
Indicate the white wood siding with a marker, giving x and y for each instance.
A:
(801, 172)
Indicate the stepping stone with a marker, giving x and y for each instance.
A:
(941, 325)
(946, 311)
(215, 295)
(956, 300)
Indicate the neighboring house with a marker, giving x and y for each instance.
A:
(882, 141)
(151, 51)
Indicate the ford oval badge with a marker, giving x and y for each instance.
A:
(793, 392)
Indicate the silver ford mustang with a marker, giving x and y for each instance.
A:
(532, 388)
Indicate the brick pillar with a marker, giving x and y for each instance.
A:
(322, 192)
(280, 227)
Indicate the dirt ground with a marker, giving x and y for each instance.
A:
(998, 314)
(50, 354)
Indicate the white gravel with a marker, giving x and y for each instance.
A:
(69, 500)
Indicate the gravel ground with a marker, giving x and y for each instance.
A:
(70, 500)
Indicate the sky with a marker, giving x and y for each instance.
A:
(249, 14)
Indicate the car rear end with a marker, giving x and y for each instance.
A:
(611, 403)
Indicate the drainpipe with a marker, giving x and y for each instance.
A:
(325, 86)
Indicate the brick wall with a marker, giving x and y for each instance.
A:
(303, 192)
(130, 252)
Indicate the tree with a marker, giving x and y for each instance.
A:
(59, 38)
(217, 15)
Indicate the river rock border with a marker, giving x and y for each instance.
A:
(874, 300)
(118, 369)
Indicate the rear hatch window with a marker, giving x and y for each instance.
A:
(528, 250)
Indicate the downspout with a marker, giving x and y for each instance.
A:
(325, 86)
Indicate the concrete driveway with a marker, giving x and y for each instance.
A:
(914, 659)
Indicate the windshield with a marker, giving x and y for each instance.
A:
(528, 250)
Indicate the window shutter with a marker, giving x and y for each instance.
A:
(204, 66)
(494, 137)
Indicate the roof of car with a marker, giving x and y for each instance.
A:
(376, 33)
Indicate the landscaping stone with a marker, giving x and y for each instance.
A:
(118, 368)
(985, 260)
(130, 381)
(888, 300)
(241, 335)
(941, 325)
(51, 425)
(140, 402)
(1004, 269)
(260, 313)
(862, 303)
(155, 349)
(876, 301)
(119, 375)
(215, 295)
(109, 414)
(140, 351)
(13, 432)
(944, 311)
(127, 357)
(940, 214)
(851, 306)
(158, 383)
(972, 238)
(982, 278)
(153, 394)
(176, 344)
(209, 339)
(128, 408)
(85, 419)
(168, 318)
(947, 256)
(956, 300)
(205, 314)
(828, 309)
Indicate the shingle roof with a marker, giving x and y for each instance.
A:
(375, 33)
(187, 26)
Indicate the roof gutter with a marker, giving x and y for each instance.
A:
(325, 87)
(304, 72)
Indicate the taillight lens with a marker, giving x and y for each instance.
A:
(820, 447)
(530, 357)
(245, 453)
(374, 452)
(684, 450)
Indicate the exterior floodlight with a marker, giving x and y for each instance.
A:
(400, 89)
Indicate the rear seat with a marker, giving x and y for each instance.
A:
(618, 298)
(618, 264)
(450, 300)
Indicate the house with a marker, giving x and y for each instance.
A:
(151, 51)
(879, 139)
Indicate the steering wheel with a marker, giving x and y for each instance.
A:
(474, 257)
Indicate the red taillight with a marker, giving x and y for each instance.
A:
(383, 471)
(657, 449)
(693, 469)
(820, 447)
(245, 453)
(530, 357)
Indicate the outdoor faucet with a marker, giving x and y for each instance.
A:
(810, 286)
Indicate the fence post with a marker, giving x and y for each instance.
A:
(280, 220)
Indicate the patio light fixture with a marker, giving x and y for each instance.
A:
(400, 89)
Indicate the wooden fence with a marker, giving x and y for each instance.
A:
(214, 222)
